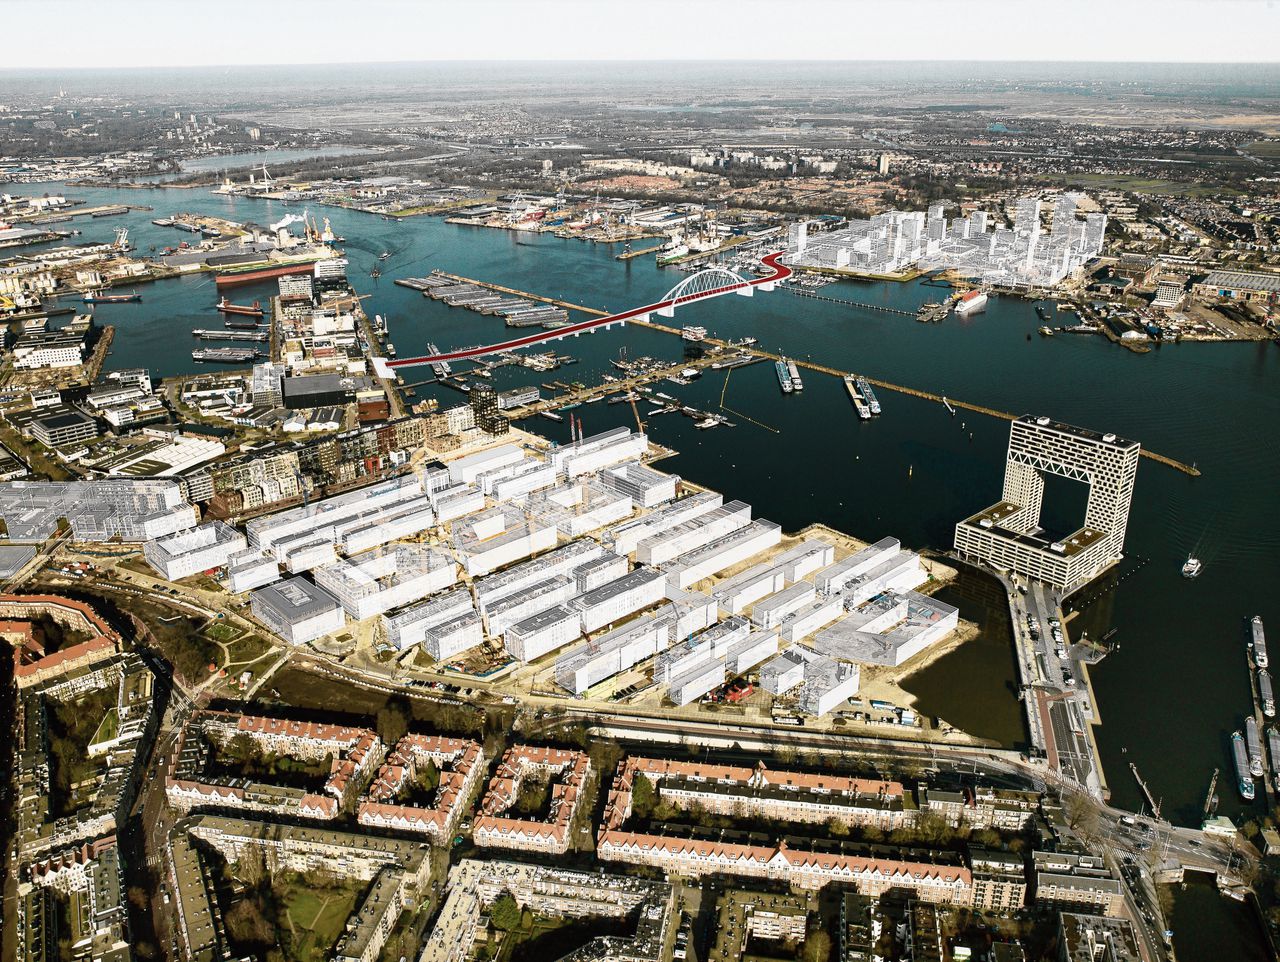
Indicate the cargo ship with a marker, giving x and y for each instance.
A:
(868, 395)
(851, 385)
(1266, 694)
(794, 372)
(267, 270)
(971, 303)
(1244, 779)
(225, 355)
(250, 310)
(1255, 746)
(1258, 642)
(784, 378)
(97, 297)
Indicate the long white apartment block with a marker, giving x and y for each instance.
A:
(688, 611)
(902, 572)
(297, 610)
(488, 480)
(780, 675)
(464, 470)
(190, 552)
(402, 521)
(543, 633)
(599, 571)
(711, 645)
(528, 601)
(744, 655)
(779, 606)
(735, 595)
(457, 501)
(642, 484)
(627, 536)
(251, 569)
(525, 479)
(695, 683)
(453, 637)
(306, 551)
(320, 517)
(623, 596)
(804, 559)
(561, 561)
(599, 451)
(832, 579)
(409, 625)
(377, 581)
(588, 664)
(815, 615)
(888, 630)
(579, 506)
(660, 548)
(499, 536)
(689, 569)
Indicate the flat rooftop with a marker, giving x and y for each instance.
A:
(1084, 433)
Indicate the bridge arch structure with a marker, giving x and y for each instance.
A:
(712, 282)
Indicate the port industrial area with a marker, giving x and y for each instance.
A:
(347, 649)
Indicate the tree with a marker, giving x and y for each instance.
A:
(817, 946)
(138, 896)
(837, 828)
(393, 721)
(246, 923)
(251, 867)
(642, 797)
(429, 776)
(1081, 813)
(504, 914)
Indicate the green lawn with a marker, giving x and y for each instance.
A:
(1143, 185)
(109, 727)
(221, 631)
(1264, 148)
(314, 918)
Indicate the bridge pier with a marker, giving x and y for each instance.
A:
(669, 311)
(745, 291)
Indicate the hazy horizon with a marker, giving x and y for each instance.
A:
(147, 33)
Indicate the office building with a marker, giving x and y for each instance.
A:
(409, 625)
(297, 610)
(451, 638)
(496, 537)
(190, 552)
(1096, 938)
(131, 510)
(377, 581)
(643, 485)
(542, 633)
(627, 537)
(619, 598)
(724, 552)
(1008, 535)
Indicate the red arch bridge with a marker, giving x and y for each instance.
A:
(711, 282)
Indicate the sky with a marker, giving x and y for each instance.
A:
(151, 33)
